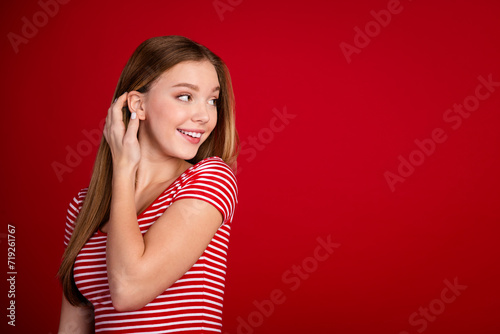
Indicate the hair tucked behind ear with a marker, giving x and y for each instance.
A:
(148, 62)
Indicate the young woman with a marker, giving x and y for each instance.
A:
(146, 242)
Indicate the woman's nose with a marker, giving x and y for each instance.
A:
(201, 113)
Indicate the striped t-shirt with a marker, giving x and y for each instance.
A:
(193, 304)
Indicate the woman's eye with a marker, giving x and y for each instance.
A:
(184, 97)
(213, 102)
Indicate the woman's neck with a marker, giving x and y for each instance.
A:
(152, 172)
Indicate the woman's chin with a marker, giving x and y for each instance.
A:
(187, 155)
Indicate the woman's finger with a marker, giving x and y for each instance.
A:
(114, 120)
(133, 127)
(116, 108)
(106, 126)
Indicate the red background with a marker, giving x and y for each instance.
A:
(319, 174)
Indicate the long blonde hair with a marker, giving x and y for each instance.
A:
(151, 59)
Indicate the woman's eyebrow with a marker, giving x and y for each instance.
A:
(194, 87)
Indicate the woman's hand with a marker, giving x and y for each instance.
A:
(123, 143)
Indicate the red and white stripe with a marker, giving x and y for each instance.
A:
(193, 304)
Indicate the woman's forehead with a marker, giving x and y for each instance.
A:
(199, 73)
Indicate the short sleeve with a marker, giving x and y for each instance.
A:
(212, 181)
(73, 210)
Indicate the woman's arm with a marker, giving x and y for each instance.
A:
(141, 268)
(75, 320)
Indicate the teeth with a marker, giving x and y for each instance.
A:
(191, 134)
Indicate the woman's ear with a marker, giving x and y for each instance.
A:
(136, 103)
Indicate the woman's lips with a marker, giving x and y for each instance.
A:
(193, 136)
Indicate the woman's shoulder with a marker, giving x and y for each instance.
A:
(213, 159)
(74, 207)
(213, 163)
(80, 196)
(211, 170)
(213, 181)
(77, 201)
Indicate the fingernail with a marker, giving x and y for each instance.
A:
(133, 116)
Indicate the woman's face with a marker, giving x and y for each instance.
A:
(180, 110)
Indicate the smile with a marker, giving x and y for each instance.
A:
(190, 133)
